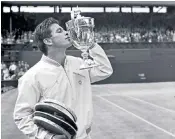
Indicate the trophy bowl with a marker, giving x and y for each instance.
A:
(80, 30)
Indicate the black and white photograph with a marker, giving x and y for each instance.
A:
(88, 69)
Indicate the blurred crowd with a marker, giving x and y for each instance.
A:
(16, 37)
(104, 35)
(124, 35)
(13, 71)
(109, 27)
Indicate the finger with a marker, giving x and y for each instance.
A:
(74, 43)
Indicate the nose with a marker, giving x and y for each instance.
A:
(66, 33)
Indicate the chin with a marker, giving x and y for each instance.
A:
(68, 45)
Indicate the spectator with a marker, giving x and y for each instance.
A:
(26, 65)
(173, 35)
(14, 71)
(12, 68)
(6, 75)
(117, 37)
(15, 75)
(3, 65)
(21, 72)
(5, 70)
(154, 36)
(168, 36)
(22, 64)
(111, 38)
(160, 37)
(19, 64)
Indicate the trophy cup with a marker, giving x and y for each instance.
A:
(80, 30)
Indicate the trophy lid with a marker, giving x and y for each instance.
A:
(79, 21)
(75, 13)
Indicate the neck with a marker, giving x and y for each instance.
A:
(58, 55)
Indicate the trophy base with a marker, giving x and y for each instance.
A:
(86, 65)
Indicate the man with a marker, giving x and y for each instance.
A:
(12, 68)
(57, 76)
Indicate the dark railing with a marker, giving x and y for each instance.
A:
(13, 83)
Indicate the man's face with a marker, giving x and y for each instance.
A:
(59, 37)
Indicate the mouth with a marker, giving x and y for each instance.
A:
(67, 38)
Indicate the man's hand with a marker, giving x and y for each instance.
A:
(59, 137)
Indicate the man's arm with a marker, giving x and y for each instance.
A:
(28, 96)
(105, 69)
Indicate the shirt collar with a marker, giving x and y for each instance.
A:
(51, 61)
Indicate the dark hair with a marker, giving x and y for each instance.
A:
(42, 31)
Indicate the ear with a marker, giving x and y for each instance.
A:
(47, 41)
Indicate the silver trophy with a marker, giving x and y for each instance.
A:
(80, 30)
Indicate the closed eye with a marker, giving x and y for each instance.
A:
(59, 30)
